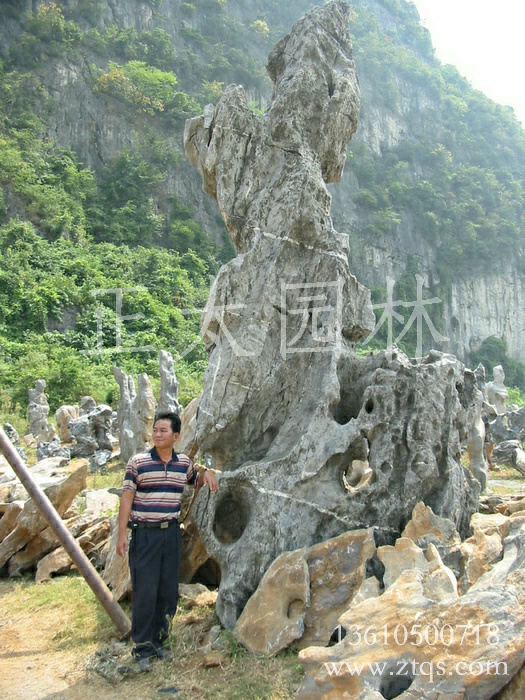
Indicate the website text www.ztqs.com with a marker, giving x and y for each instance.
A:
(412, 668)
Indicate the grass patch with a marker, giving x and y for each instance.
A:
(246, 676)
(68, 619)
(112, 478)
(66, 603)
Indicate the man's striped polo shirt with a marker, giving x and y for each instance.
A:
(157, 486)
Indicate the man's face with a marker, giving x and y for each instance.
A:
(163, 435)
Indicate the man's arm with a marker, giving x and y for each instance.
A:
(126, 503)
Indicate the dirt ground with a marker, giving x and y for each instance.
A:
(34, 665)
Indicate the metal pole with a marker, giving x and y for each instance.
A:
(86, 568)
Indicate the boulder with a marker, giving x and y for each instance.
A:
(194, 554)
(38, 411)
(46, 541)
(86, 405)
(303, 593)
(407, 641)
(187, 442)
(56, 562)
(116, 572)
(63, 416)
(509, 452)
(496, 392)
(52, 449)
(406, 555)
(100, 501)
(127, 394)
(143, 414)
(421, 638)
(425, 528)
(136, 413)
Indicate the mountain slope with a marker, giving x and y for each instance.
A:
(93, 98)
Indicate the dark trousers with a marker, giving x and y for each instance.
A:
(154, 560)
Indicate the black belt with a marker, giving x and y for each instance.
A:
(162, 524)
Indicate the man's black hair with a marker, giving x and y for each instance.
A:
(173, 418)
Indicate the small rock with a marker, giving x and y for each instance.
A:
(213, 659)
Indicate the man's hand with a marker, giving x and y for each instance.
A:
(209, 479)
(122, 544)
(126, 502)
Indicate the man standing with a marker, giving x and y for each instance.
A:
(150, 504)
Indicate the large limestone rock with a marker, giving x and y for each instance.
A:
(187, 442)
(116, 572)
(497, 394)
(311, 440)
(136, 413)
(143, 414)
(92, 431)
(46, 541)
(127, 395)
(419, 639)
(426, 528)
(303, 593)
(480, 654)
(406, 555)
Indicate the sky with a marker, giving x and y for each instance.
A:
(484, 40)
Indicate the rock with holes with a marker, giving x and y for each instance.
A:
(303, 593)
(420, 640)
(311, 440)
(414, 646)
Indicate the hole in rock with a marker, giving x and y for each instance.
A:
(296, 608)
(231, 517)
(354, 376)
(357, 475)
(375, 568)
(337, 635)
(369, 406)
(395, 680)
(351, 395)
(386, 468)
(208, 573)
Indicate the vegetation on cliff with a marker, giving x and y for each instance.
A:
(68, 232)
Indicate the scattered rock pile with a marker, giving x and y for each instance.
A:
(26, 540)
(413, 628)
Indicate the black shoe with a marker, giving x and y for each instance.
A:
(164, 653)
